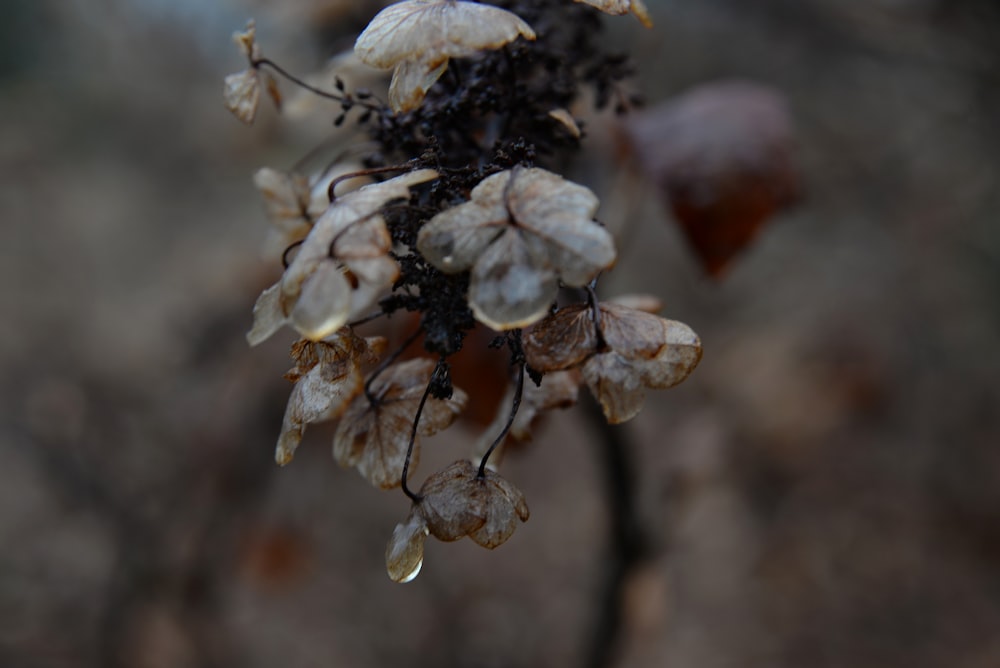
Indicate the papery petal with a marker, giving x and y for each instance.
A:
(404, 555)
(324, 304)
(241, 93)
(616, 382)
(268, 315)
(562, 340)
(512, 285)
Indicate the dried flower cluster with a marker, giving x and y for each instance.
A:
(459, 224)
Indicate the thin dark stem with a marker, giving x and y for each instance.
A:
(627, 544)
(386, 363)
(284, 256)
(514, 406)
(264, 62)
(413, 433)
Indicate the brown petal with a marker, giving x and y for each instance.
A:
(456, 502)
(561, 340)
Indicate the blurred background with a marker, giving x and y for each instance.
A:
(824, 491)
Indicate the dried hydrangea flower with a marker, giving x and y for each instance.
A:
(627, 351)
(456, 502)
(327, 375)
(316, 294)
(374, 433)
(620, 7)
(417, 37)
(522, 232)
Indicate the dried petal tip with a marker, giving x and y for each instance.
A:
(404, 555)
(619, 7)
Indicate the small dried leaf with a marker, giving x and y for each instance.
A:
(327, 376)
(374, 436)
(456, 502)
(435, 30)
(619, 7)
(241, 92)
(404, 555)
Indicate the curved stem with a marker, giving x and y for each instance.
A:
(413, 433)
(386, 363)
(514, 406)
(264, 62)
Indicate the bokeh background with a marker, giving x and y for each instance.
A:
(823, 492)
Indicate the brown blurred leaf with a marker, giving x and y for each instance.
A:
(721, 154)
(373, 436)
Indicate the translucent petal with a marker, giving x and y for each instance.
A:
(374, 436)
(410, 82)
(676, 360)
(268, 315)
(562, 340)
(404, 555)
(241, 93)
(434, 30)
(324, 305)
(456, 502)
(453, 240)
(616, 383)
(512, 285)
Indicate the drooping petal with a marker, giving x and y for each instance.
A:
(324, 304)
(410, 82)
(616, 383)
(404, 555)
(562, 340)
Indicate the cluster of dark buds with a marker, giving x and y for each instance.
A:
(447, 212)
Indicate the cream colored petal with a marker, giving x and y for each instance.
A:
(561, 213)
(512, 285)
(241, 93)
(287, 199)
(324, 304)
(430, 30)
(410, 82)
(565, 119)
(454, 239)
(268, 316)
